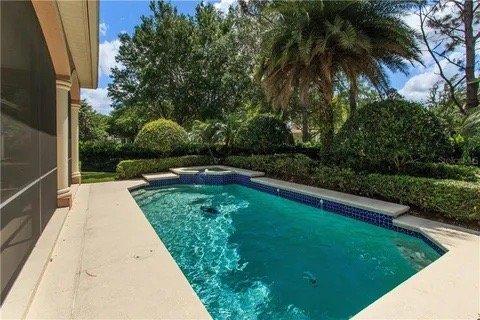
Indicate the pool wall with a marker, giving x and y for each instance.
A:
(381, 220)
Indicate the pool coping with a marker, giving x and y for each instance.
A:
(428, 293)
(369, 204)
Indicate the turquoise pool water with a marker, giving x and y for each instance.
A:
(252, 255)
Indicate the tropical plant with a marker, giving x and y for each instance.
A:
(310, 43)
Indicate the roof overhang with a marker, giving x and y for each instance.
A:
(80, 22)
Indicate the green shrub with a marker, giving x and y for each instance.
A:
(262, 133)
(459, 200)
(128, 169)
(471, 151)
(283, 166)
(443, 171)
(162, 135)
(390, 134)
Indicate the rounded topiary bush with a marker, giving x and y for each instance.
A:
(388, 134)
(262, 133)
(162, 136)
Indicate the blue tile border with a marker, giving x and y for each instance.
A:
(371, 217)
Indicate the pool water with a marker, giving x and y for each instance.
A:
(252, 255)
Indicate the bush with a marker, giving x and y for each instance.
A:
(443, 171)
(162, 136)
(471, 151)
(390, 134)
(457, 200)
(262, 133)
(283, 166)
(128, 169)
(105, 155)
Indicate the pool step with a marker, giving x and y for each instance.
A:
(159, 176)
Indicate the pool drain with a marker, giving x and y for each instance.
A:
(210, 211)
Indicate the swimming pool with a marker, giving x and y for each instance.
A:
(249, 254)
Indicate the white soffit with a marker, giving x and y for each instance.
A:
(80, 23)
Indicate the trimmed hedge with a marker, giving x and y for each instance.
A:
(283, 166)
(391, 133)
(457, 200)
(104, 156)
(443, 171)
(162, 136)
(128, 169)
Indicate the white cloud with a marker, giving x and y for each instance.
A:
(106, 60)
(98, 98)
(224, 5)
(418, 86)
(103, 28)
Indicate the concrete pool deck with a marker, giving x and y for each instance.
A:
(108, 262)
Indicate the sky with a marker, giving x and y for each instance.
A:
(122, 16)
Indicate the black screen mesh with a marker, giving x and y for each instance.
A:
(27, 137)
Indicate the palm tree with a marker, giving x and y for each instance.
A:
(284, 68)
(314, 42)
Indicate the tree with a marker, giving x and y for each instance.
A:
(185, 68)
(321, 40)
(91, 124)
(284, 68)
(455, 27)
(125, 122)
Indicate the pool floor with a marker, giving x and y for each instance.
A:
(252, 255)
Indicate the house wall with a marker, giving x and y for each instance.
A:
(28, 176)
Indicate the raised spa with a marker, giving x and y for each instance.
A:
(249, 254)
(207, 170)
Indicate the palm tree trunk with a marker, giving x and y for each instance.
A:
(326, 87)
(352, 96)
(304, 107)
(327, 92)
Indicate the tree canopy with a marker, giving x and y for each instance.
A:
(185, 68)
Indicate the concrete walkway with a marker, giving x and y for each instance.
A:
(109, 263)
(446, 289)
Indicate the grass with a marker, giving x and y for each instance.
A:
(95, 177)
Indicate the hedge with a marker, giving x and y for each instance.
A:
(105, 155)
(128, 169)
(443, 171)
(458, 200)
(282, 166)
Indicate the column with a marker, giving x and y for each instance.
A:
(64, 195)
(75, 108)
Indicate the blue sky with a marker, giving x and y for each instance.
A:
(123, 16)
